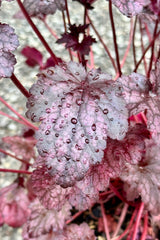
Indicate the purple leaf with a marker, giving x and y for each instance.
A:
(34, 57)
(42, 221)
(36, 8)
(77, 110)
(8, 39)
(144, 179)
(131, 149)
(86, 3)
(131, 8)
(14, 205)
(7, 61)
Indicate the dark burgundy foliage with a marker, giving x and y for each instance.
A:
(86, 3)
(71, 39)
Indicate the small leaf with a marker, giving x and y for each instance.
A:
(131, 8)
(42, 221)
(34, 57)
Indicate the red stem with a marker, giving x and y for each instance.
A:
(102, 42)
(17, 158)
(133, 43)
(14, 119)
(74, 217)
(114, 37)
(151, 43)
(29, 124)
(37, 31)
(14, 171)
(19, 86)
(152, 50)
(129, 226)
(145, 227)
(67, 11)
(138, 221)
(142, 45)
(105, 222)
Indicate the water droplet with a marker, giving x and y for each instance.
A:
(32, 104)
(53, 120)
(105, 111)
(33, 116)
(47, 132)
(73, 120)
(62, 99)
(68, 141)
(50, 72)
(59, 160)
(46, 102)
(82, 135)
(56, 135)
(49, 168)
(42, 91)
(111, 119)
(77, 73)
(41, 118)
(48, 110)
(41, 139)
(87, 140)
(95, 78)
(77, 160)
(96, 110)
(66, 115)
(60, 126)
(78, 147)
(59, 106)
(49, 127)
(68, 157)
(79, 102)
(96, 138)
(97, 150)
(68, 105)
(90, 73)
(73, 130)
(93, 127)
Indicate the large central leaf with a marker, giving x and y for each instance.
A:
(77, 110)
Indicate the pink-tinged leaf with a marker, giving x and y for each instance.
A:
(86, 191)
(77, 110)
(79, 232)
(140, 98)
(154, 79)
(131, 8)
(14, 205)
(36, 8)
(34, 57)
(7, 61)
(71, 232)
(21, 146)
(8, 39)
(131, 149)
(51, 63)
(42, 221)
(82, 195)
(144, 179)
(50, 195)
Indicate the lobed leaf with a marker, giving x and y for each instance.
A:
(42, 221)
(131, 8)
(77, 110)
(144, 179)
(7, 62)
(14, 205)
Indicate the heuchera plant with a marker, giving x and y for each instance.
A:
(97, 136)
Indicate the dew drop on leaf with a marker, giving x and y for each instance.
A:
(68, 141)
(42, 91)
(87, 140)
(68, 105)
(48, 110)
(47, 132)
(74, 120)
(56, 135)
(93, 127)
(73, 130)
(82, 135)
(79, 102)
(105, 111)
(46, 102)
